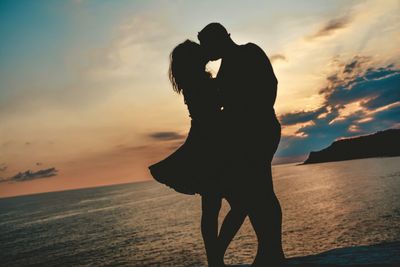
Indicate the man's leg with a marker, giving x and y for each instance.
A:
(266, 217)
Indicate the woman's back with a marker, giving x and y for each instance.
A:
(202, 101)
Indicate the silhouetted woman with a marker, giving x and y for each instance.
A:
(193, 167)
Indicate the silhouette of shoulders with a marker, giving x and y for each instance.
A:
(248, 83)
(257, 56)
(261, 79)
(254, 50)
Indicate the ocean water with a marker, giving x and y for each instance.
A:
(325, 206)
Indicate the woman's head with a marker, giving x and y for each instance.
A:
(187, 65)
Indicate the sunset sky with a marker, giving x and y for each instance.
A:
(85, 98)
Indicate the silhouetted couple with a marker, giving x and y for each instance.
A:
(233, 136)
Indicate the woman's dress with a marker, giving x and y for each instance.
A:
(193, 167)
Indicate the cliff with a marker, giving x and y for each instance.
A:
(381, 144)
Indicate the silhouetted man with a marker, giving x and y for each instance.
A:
(248, 88)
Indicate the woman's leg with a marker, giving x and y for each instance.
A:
(211, 205)
(230, 226)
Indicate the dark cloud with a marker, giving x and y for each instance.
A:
(314, 137)
(330, 27)
(377, 89)
(380, 87)
(348, 68)
(30, 175)
(301, 116)
(277, 57)
(383, 119)
(166, 136)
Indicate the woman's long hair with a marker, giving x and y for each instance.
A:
(186, 64)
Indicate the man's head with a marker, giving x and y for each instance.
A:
(214, 38)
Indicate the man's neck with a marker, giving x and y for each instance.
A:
(230, 50)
